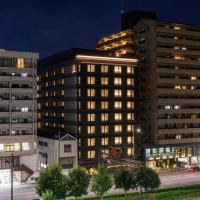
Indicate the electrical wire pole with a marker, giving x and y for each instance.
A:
(59, 147)
(11, 174)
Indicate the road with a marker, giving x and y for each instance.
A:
(27, 191)
(21, 192)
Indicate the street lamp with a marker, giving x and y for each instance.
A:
(11, 163)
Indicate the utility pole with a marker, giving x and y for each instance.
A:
(11, 173)
(59, 147)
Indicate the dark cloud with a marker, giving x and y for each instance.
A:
(48, 26)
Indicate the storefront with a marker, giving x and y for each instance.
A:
(171, 156)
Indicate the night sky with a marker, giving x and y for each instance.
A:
(49, 26)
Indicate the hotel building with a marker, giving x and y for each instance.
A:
(88, 94)
(18, 130)
(169, 83)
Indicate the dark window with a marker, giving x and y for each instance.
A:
(45, 144)
(67, 148)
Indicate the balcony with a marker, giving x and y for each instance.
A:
(174, 61)
(178, 130)
(22, 90)
(20, 78)
(174, 81)
(177, 91)
(175, 101)
(180, 71)
(178, 41)
(22, 125)
(174, 51)
(178, 121)
(179, 141)
(4, 90)
(179, 32)
(20, 114)
(4, 125)
(4, 113)
(188, 110)
(23, 102)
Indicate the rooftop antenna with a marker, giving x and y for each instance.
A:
(122, 6)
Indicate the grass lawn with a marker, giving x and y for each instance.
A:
(178, 193)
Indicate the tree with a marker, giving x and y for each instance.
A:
(48, 195)
(147, 179)
(125, 180)
(79, 180)
(53, 180)
(102, 181)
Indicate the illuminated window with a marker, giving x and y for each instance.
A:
(117, 69)
(130, 140)
(20, 62)
(118, 128)
(177, 107)
(17, 147)
(117, 81)
(91, 92)
(104, 80)
(193, 78)
(104, 129)
(91, 142)
(117, 93)
(130, 151)
(167, 107)
(91, 117)
(104, 117)
(104, 92)
(91, 104)
(193, 116)
(90, 80)
(130, 93)
(178, 137)
(91, 154)
(118, 116)
(130, 105)
(130, 70)
(130, 128)
(118, 140)
(104, 105)
(26, 146)
(90, 68)
(104, 151)
(62, 81)
(91, 129)
(177, 28)
(130, 116)
(179, 57)
(104, 68)
(130, 81)
(177, 87)
(118, 105)
(104, 141)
